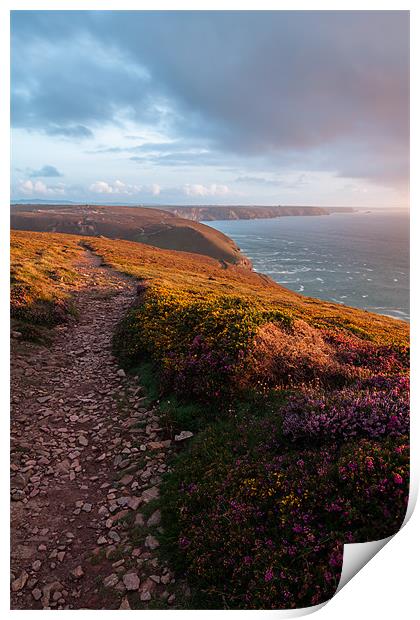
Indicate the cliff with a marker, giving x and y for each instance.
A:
(213, 213)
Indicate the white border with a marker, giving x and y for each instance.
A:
(388, 585)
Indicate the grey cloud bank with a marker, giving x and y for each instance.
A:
(46, 171)
(256, 91)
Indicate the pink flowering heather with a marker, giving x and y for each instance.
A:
(367, 409)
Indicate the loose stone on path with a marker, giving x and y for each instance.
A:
(78, 423)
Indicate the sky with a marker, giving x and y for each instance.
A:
(304, 108)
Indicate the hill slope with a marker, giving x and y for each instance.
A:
(296, 412)
(46, 258)
(152, 226)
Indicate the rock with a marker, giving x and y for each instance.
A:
(183, 435)
(134, 502)
(155, 578)
(155, 445)
(82, 440)
(121, 373)
(20, 582)
(77, 572)
(154, 519)
(114, 536)
(87, 507)
(146, 589)
(103, 511)
(125, 604)
(16, 334)
(123, 501)
(139, 520)
(18, 495)
(149, 494)
(110, 581)
(46, 592)
(36, 565)
(36, 593)
(101, 540)
(131, 581)
(115, 517)
(151, 542)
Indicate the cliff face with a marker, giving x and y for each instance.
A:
(212, 213)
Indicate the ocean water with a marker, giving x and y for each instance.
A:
(358, 259)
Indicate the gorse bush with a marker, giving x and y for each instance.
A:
(199, 342)
(280, 358)
(207, 346)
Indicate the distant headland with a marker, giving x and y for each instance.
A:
(217, 212)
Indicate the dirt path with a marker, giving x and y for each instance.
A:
(87, 459)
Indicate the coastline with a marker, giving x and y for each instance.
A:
(357, 272)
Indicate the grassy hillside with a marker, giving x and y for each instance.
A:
(300, 415)
(200, 275)
(42, 276)
(152, 226)
(299, 410)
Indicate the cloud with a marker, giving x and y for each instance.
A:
(327, 88)
(29, 187)
(291, 182)
(46, 171)
(250, 180)
(101, 187)
(70, 87)
(197, 189)
(183, 153)
(121, 188)
(74, 131)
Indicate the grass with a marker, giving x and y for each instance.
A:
(42, 278)
(42, 274)
(194, 274)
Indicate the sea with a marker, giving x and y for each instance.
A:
(359, 259)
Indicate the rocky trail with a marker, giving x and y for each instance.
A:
(87, 457)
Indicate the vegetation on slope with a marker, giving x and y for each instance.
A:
(300, 414)
(300, 410)
(42, 275)
(194, 275)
